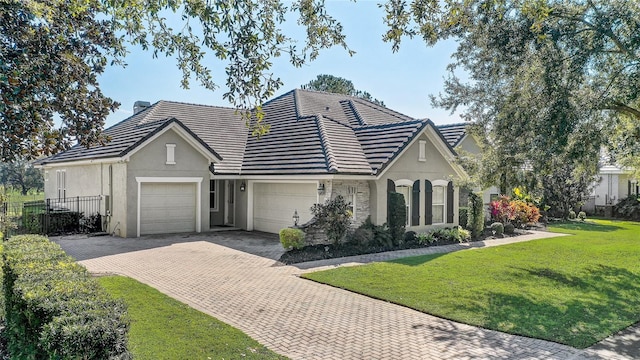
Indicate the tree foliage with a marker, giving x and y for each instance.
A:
(21, 175)
(548, 80)
(339, 85)
(52, 52)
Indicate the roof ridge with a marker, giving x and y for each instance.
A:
(394, 124)
(296, 103)
(279, 97)
(194, 104)
(383, 109)
(356, 112)
(452, 125)
(332, 166)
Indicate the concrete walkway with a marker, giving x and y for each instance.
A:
(299, 318)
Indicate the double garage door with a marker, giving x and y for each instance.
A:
(275, 203)
(171, 207)
(167, 208)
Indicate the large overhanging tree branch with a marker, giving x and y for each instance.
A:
(52, 52)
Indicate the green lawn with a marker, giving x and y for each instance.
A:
(163, 328)
(574, 290)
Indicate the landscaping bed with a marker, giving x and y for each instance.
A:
(331, 251)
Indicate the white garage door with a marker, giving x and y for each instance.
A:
(167, 208)
(274, 204)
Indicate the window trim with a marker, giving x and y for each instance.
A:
(171, 154)
(443, 204)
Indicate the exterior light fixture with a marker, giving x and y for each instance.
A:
(296, 217)
(243, 186)
(321, 189)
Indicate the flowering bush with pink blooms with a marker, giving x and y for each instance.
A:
(518, 212)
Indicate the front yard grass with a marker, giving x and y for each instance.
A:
(574, 290)
(164, 328)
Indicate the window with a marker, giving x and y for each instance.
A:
(493, 197)
(61, 183)
(406, 192)
(352, 204)
(171, 154)
(213, 198)
(422, 156)
(437, 205)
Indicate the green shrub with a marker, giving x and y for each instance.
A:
(381, 233)
(397, 217)
(333, 217)
(509, 228)
(55, 309)
(291, 238)
(582, 216)
(572, 215)
(361, 236)
(628, 208)
(426, 238)
(463, 216)
(410, 236)
(455, 234)
(475, 222)
(497, 228)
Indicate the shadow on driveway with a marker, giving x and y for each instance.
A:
(84, 247)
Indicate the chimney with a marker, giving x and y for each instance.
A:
(140, 105)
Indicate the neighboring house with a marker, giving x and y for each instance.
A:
(176, 167)
(613, 184)
(458, 138)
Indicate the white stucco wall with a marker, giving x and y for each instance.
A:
(150, 161)
(408, 167)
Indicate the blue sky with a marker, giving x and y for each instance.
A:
(403, 80)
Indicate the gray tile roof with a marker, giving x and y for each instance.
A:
(453, 133)
(311, 133)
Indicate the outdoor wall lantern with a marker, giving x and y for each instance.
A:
(296, 217)
(321, 189)
(243, 186)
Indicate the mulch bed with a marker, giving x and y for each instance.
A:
(331, 251)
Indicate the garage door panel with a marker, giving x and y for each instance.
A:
(167, 208)
(275, 203)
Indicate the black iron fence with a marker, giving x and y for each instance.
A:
(80, 214)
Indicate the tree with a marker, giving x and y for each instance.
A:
(22, 175)
(547, 79)
(338, 85)
(52, 52)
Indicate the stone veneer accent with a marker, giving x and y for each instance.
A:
(346, 188)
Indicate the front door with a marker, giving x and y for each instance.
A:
(229, 204)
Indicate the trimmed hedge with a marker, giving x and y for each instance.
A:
(55, 309)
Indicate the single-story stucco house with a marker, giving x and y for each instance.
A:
(177, 167)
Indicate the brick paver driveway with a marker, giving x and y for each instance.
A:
(233, 276)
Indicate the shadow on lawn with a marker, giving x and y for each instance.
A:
(608, 301)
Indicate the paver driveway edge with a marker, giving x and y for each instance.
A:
(305, 320)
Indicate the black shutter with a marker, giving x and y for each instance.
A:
(450, 202)
(628, 187)
(415, 204)
(391, 188)
(428, 202)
